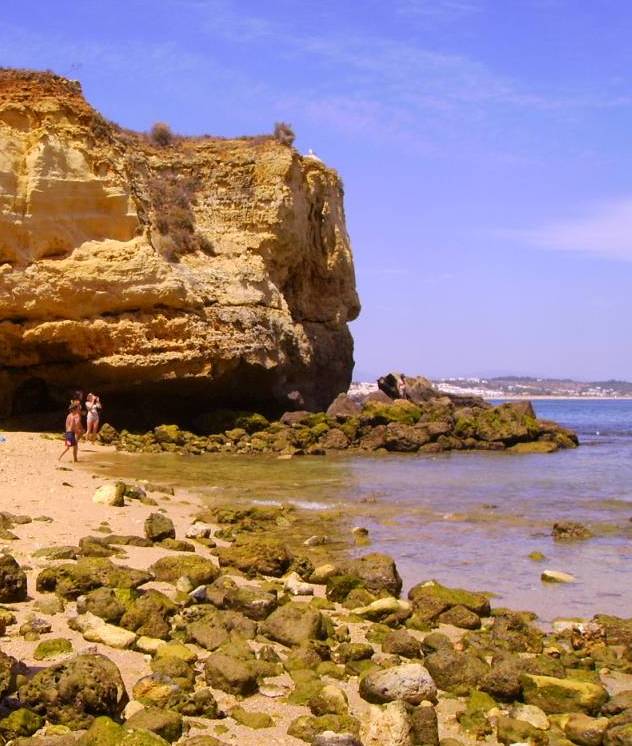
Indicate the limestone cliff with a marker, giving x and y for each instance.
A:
(206, 271)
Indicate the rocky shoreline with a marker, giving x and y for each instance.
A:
(146, 619)
(406, 415)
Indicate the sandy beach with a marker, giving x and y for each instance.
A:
(57, 497)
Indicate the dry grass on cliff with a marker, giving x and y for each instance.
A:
(172, 199)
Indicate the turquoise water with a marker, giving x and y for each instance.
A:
(467, 519)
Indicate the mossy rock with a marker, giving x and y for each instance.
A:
(339, 586)
(307, 727)
(376, 571)
(180, 671)
(456, 672)
(169, 434)
(381, 413)
(307, 684)
(506, 423)
(52, 648)
(474, 720)
(250, 719)
(294, 624)
(331, 700)
(76, 691)
(149, 615)
(164, 723)
(554, 695)
(74, 580)
(439, 598)
(230, 674)
(105, 732)
(104, 603)
(253, 555)
(20, 722)
(510, 730)
(251, 422)
(12, 580)
(199, 570)
(158, 527)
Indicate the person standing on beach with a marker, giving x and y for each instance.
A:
(73, 432)
(93, 405)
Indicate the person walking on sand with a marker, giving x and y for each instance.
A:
(73, 432)
(93, 405)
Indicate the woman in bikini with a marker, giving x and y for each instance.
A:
(93, 405)
(73, 431)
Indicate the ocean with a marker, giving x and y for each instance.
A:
(465, 519)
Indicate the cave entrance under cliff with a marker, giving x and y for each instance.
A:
(31, 397)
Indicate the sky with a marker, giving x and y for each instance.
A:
(484, 145)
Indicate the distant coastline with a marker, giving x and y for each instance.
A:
(516, 388)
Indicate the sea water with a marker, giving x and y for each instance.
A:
(467, 519)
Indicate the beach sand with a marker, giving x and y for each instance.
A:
(34, 483)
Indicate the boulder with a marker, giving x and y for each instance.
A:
(159, 527)
(329, 700)
(8, 669)
(259, 554)
(230, 674)
(165, 723)
(510, 731)
(460, 616)
(12, 580)
(343, 407)
(431, 599)
(76, 691)
(73, 580)
(149, 615)
(294, 624)
(554, 695)
(377, 572)
(505, 424)
(20, 723)
(251, 601)
(102, 602)
(110, 494)
(334, 440)
(620, 735)
(198, 569)
(455, 672)
(387, 726)
(425, 724)
(401, 642)
(585, 730)
(410, 682)
(404, 438)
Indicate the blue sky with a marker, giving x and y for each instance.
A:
(484, 147)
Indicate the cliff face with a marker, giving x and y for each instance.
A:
(202, 273)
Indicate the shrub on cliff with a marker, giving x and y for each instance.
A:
(284, 134)
(172, 200)
(161, 134)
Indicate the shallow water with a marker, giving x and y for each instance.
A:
(467, 519)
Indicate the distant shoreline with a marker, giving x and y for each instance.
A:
(545, 397)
